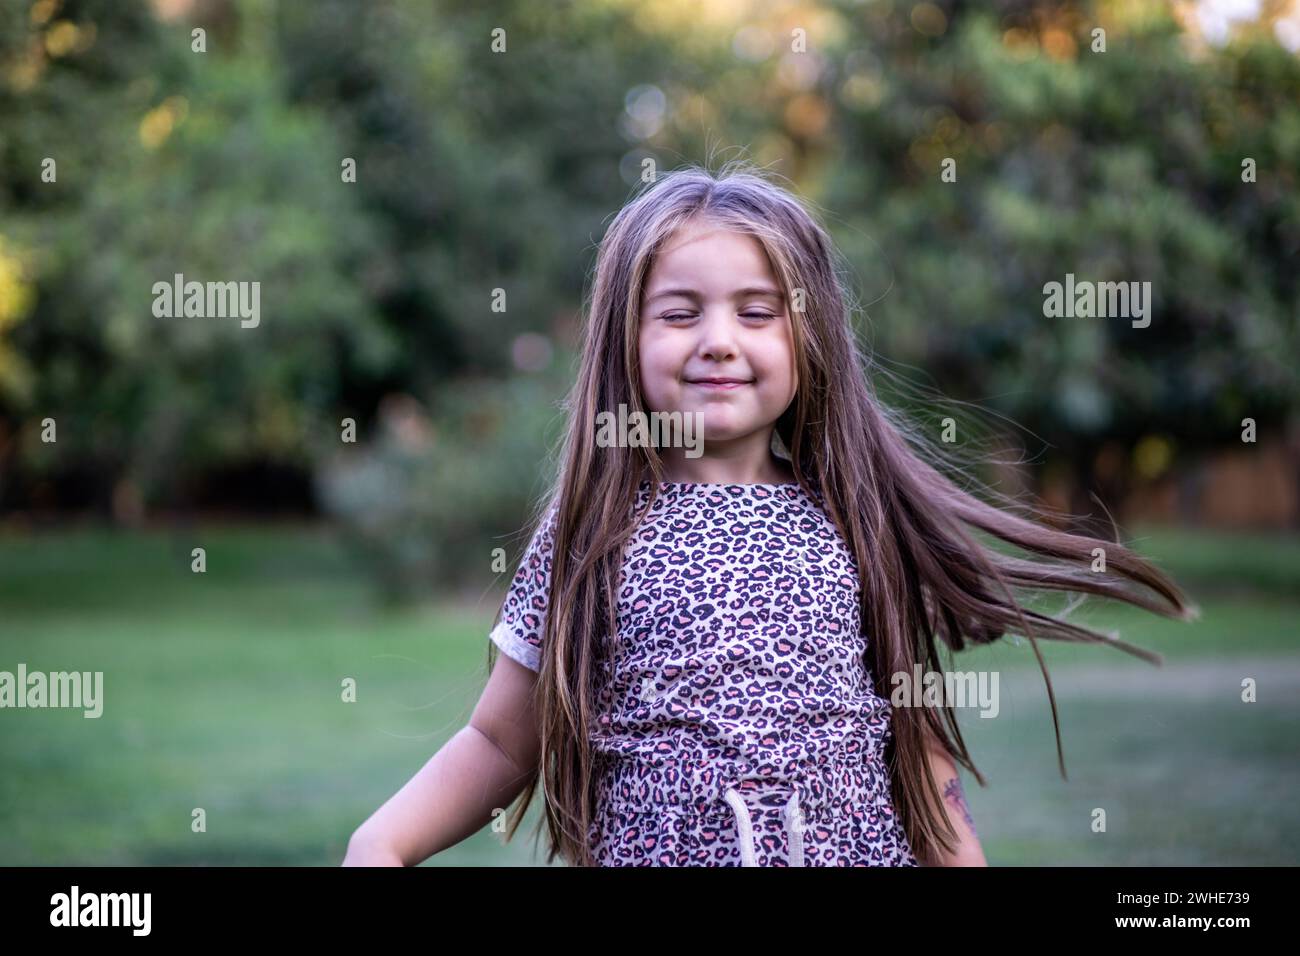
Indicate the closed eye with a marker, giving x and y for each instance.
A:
(680, 316)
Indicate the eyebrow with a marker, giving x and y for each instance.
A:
(738, 294)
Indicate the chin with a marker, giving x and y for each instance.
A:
(725, 430)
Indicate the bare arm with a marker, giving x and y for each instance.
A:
(483, 767)
(968, 851)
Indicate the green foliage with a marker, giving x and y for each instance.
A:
(480, 171)
(1117, 166)
(430, 497)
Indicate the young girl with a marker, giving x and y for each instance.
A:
(698, 648)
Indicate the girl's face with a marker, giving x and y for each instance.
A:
(715, 337)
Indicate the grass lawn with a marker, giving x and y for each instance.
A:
(222, 692)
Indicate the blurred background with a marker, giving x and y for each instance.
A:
(380, 169)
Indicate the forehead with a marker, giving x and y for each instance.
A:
(707, 256)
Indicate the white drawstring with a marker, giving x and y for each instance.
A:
(793, 827)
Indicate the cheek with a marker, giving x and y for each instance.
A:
(658, 356)
(659, 369)
(791, 366)
(779, 366)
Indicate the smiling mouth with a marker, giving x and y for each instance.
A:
(721, 384)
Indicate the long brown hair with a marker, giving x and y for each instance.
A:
(923, 576)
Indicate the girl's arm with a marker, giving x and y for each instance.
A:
(967, 851)
(482, 768)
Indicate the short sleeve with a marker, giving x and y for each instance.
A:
(518, 631)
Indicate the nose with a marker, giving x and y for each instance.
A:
(718, 335)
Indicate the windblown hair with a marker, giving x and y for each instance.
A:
(923, 576)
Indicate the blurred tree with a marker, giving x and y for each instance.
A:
(1123, 165)
(480, 169)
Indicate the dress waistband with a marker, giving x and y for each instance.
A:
(816, 790)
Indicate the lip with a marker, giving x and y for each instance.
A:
(720, 383)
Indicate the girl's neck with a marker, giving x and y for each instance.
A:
(706, 470)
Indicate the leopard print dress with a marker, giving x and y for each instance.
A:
(738, 724)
